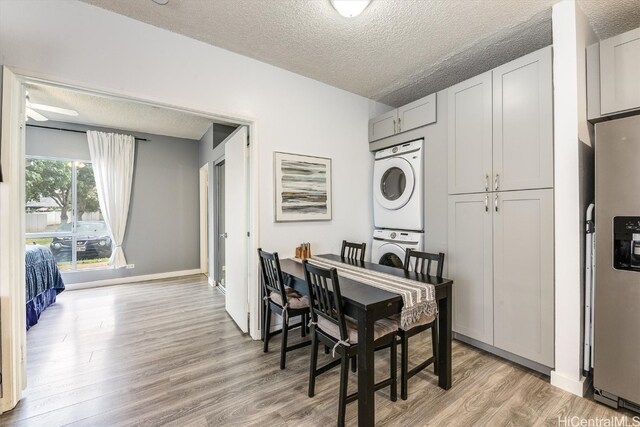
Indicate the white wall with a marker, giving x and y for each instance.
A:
(76, 43)
(573, 187)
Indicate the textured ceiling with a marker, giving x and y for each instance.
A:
(395, 52)
(117, 113)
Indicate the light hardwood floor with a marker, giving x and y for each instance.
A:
(166, 352)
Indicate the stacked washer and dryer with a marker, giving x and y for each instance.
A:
(398, 203)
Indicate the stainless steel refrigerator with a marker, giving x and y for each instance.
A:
(617, 287)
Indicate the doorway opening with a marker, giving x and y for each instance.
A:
(13, 227)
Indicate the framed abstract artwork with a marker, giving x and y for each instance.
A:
(302, 188)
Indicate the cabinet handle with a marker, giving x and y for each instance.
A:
(394, 126)
(496, 182)
(399, 124)
(486, 182)
(486, 203)
(496, 202)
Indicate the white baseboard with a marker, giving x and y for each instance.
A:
(131, 279)
(579, 387)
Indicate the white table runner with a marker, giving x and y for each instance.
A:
(419, 298)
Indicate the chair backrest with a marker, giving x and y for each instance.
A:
(325, 296)
(271, 274)
(420, 262)
(353, 251)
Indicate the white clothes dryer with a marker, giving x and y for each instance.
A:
(390, 246)
(398, 196)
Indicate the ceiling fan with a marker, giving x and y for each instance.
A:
(31, 113)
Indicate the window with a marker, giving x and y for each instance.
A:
(63, 213)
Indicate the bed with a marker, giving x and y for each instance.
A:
(43, 281)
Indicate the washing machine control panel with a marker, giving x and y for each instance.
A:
(407, 237)
(398, 150)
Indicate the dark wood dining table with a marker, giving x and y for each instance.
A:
(367, 304)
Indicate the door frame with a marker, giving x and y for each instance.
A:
(12, 228)
(204, 219)
(216, 226)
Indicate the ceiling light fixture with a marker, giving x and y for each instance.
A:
(350, 8)
(161, 2)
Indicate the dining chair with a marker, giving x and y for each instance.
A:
(421, 263)
(333, 328)
(284, 301)
(353, 251)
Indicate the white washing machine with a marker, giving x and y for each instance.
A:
(398, 196)
(389, 246)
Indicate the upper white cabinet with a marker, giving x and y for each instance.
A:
(417, 113)
(470, 158)
(619, 73)
(411, 116)
(383, 126)
(501, 128)
(523, 123)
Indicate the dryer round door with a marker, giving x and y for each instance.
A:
(393, 182)
(391, 255)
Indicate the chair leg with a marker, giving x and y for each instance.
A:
(404, 365)
(394, 370)
(314, 363)
(267, 326)
(285, 333)
(354, 363)
(303, 327)
(434, 347)
(326, 349)
(344, 378)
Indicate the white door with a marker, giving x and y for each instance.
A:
(236, 226)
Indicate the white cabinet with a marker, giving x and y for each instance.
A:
(417, 113)
(619, 73)
(501, 128)
(523, 123)
(413, 115)
(470, 140)
(383, 126)
(523, 274)
(500, 230)
(469, 260)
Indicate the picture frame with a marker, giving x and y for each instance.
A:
(302, 188)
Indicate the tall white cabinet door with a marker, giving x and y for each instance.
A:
(383, 126)
(523, 123)
(470, 160)
(523, 274)
(417, 113)
(470, 264)
(619, 71)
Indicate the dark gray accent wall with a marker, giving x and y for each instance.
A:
(211, 139)
(163, 225)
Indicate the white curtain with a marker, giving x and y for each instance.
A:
(112, 157)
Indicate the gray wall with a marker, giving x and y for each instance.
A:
(163, 226)
(211, 139)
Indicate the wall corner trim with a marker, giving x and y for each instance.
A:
(577, 387)
(131, 279)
